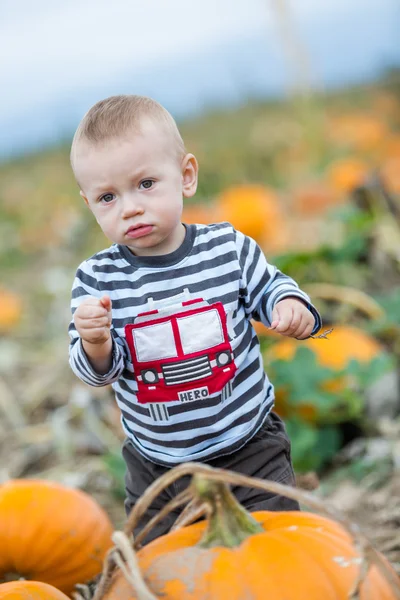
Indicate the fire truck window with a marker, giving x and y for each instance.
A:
(200, 331)
(154, 342)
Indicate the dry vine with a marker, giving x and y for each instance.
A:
(358, 299)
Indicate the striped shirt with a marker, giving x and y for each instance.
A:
(216, 264)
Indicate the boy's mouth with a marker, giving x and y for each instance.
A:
(139, 230)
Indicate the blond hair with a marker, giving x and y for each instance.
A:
(117, 115)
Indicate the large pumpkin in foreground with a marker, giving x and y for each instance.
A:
(263, 556)
(51, 533)
(30, 590)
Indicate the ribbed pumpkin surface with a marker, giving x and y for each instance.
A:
(301, 556)
(51, 533)
(30, 590)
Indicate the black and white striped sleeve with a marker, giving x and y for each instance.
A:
(85, 286)
(263, 284)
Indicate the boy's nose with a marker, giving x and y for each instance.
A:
(131, 207)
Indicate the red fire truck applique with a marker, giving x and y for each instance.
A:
(181, 352)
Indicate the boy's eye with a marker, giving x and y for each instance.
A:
(147, 184)
(107, 198)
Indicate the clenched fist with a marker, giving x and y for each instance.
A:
(292, 318)
(93, 318)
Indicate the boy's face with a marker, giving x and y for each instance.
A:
(135, 186)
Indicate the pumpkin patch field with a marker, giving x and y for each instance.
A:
(317, 184)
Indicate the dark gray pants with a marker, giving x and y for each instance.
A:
(266, 455)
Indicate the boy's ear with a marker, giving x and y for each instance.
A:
(190, 170)
(85, 199)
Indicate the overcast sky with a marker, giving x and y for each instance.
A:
(56, 43)
(51, 44)
(51, 49)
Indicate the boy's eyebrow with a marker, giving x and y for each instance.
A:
(141, 172)
(100, 188)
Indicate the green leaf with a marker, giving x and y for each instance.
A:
(115, 465)
(312, 447)
(391, 305)
(302, 374)
(303, 381)
(367, 373)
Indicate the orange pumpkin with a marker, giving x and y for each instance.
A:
(10, 310)
(344, 175)
(238, 555)
(255, 211)
(30, 590)
(344, 344)
(51, 533)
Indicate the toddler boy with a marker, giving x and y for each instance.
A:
(164, 313)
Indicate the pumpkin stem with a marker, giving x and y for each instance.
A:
(228, 522)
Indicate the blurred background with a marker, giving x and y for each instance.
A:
(293, 111)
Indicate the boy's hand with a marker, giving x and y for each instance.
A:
(292, 318)
(93, 319)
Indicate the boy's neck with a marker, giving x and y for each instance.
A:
(162, 260)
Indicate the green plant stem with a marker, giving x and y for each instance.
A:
(229, 524)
